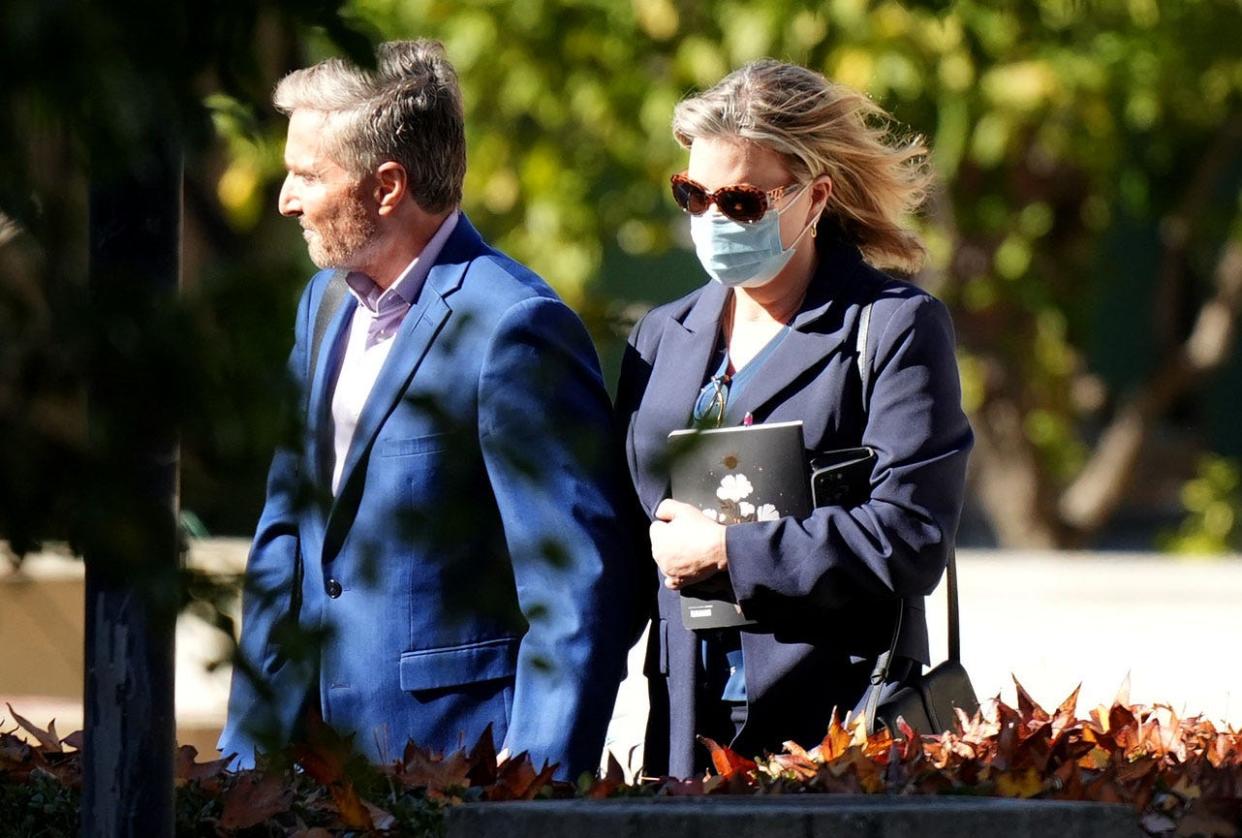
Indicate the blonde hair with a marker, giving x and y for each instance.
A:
(407, 110)
(823, 128)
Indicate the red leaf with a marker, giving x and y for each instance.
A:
(1027, 706)
(1069, 707)
(325, 753)
(423, 768)
(1123, 726)
(1066, 714)
(836, 741)
(253, 799)
(47, 738)
(189, 770)
(13, 750)
(613, 779)
(482, 760)
(545, 778)
(353, 811)
(514, 777)
(726, 761)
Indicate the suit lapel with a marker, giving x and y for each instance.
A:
(318, 419)
(680, 368)
(410, 345)
(681, 365)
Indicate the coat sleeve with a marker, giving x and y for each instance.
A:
(267, 687)
(632, 383)
(549, 446)
(898, 542)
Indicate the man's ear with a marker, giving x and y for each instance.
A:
(391, 187)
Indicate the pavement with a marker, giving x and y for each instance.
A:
(1164, 628)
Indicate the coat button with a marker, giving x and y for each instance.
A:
(333, 588)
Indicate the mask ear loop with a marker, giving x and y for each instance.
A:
(811, 226)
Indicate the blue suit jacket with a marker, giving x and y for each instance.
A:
(474, 548)
(824, 589)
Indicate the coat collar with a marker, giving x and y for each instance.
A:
(818, 330)
(681, 361)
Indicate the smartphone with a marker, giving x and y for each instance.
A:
(842, 477)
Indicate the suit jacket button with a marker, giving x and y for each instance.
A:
(333, 588)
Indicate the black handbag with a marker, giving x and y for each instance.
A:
(928, 702)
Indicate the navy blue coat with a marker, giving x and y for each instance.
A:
(825, 589)
(472, 569)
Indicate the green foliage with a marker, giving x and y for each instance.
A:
(1088, 152)
(40, 807)
(88, 88)
(1213, 503)
(1061, 131)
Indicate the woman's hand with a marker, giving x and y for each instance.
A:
(686, 544)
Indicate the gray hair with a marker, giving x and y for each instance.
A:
(407, 110)
(822, 128)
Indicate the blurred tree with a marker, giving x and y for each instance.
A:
(1074, 129)
(1086, 235)
(80, 84)
(1091, 157)
(1067, 135)
(98, 379)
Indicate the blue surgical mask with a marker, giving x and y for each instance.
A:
(742, 255)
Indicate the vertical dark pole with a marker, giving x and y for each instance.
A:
(130, 538)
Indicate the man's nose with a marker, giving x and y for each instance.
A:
(289, 203)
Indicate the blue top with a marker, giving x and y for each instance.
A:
(712, 407)
(721, 651)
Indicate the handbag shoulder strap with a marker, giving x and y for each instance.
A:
(879, 674)
(860, 354)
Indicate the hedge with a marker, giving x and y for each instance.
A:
(1182, 776)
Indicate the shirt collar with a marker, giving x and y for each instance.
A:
(404, 291)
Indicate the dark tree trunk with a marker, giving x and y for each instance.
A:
(130, 536)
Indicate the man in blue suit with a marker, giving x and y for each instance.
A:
(449, 530)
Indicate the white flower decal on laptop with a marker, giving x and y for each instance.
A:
(733, 508)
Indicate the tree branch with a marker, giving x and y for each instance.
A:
(1103, 481)
(1176, 229)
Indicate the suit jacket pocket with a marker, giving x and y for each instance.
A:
(455, 666)
(428, 444)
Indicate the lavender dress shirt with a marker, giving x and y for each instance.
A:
(369, 339)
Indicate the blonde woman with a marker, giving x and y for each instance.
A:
(797, 195)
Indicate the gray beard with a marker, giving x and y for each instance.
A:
(339, 242)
